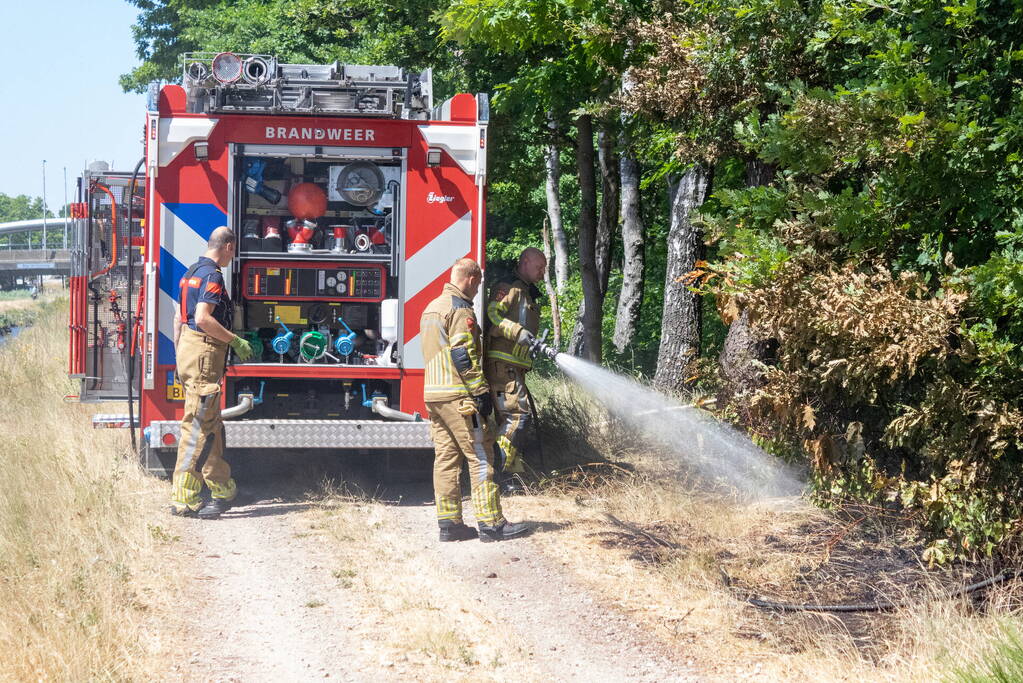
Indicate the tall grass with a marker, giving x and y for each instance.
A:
(77, 555)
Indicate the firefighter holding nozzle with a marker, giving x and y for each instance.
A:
(514, 319)
(202, 337)
(460, 406)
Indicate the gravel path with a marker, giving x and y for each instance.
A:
(268, 609)
(568, 633)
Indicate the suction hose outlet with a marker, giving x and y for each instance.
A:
(246, 402)
(380, 407)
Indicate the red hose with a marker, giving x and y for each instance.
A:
(113, 228)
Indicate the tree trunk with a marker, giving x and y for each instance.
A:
(758, 173)
(552, 294)
(631, 298)
(741, 358)
(591, 310)
(607, 221)
(743, 353)
(553, 166)
(681, 320)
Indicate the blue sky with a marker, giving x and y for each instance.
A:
(59, 98)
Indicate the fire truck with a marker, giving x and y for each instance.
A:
(351, 195)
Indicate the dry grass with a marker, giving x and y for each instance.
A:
(79, 562)
(697, 556)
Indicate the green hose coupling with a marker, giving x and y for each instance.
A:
(313, 345)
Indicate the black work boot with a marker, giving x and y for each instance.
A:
(214, 508)
(511, 485)
(506, 530)
(456, 532)
(183, 511)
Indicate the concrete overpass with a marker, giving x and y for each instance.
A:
(23, 264)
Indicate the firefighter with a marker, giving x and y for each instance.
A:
(202, 337)
(514, 319)
(459, 403)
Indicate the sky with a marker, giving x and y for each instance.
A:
(59, 98)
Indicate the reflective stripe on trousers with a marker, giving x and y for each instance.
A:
(458, 438)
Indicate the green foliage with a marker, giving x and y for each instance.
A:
(1002, 663)
(885, 257)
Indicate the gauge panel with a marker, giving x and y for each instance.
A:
(267, 280)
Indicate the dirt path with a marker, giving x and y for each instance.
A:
(273, 608)
(566, 631)
(268, 609)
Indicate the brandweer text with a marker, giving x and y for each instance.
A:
(285, 133)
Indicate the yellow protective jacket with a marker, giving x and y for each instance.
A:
(511, 308)
(452, 348)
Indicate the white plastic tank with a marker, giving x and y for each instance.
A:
(389, 320)
(388, 328)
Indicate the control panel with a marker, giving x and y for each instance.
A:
(266, 281)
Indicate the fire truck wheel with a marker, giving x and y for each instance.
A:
(157, 461)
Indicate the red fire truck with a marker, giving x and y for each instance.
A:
(351, 196)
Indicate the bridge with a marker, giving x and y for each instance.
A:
(26, 262)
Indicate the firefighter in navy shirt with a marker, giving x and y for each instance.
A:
(202, 336)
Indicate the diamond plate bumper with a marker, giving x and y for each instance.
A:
(341, 434)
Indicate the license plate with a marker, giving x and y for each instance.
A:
(175, 392)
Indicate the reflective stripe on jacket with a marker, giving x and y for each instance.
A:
(452, 348)
(511, 309)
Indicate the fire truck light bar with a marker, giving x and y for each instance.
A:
(258, 84)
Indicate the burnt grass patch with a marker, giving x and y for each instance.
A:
(855, 554)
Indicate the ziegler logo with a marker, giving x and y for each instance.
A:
(438, 199)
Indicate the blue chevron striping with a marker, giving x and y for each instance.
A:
(165, 351)
(171, 272)
(203, 219)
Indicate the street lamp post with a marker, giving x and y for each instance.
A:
(66, 208)
(44, 204)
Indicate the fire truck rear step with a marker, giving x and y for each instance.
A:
(339, 434)
(112, 421)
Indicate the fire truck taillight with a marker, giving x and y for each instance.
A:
(227, 67)
(169, 439)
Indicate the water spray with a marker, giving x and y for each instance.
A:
(714, 450)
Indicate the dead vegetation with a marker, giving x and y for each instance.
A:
(684, 561)
(81, 572)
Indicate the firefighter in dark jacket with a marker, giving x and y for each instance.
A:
(202, 337)
(514, 318)
(459, 403)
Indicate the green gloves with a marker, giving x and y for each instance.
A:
(242, 349)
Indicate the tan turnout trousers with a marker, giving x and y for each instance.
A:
(511, 409)
(459, 436)
(201, 363)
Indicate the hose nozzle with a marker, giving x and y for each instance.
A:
(539, 348)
